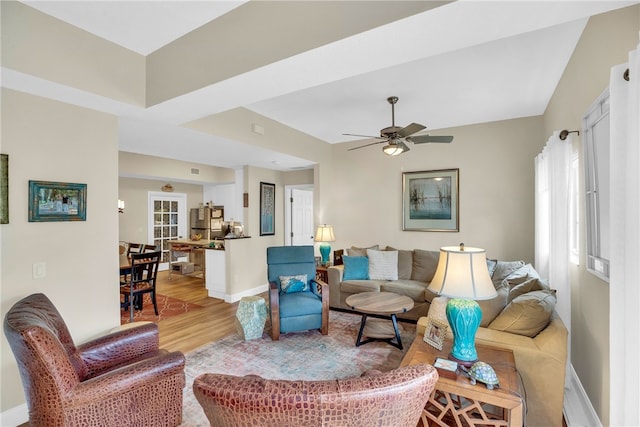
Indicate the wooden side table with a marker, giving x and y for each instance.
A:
(456, 402)
(322, 274)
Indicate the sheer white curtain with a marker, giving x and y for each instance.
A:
(552, 219)
(624, 292)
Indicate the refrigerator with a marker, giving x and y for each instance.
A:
(207, 221)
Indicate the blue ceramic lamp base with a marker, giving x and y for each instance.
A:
(464, 316)
(325, 250)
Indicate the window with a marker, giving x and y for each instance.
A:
(596, 169)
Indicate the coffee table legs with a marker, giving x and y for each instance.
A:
(379, 330)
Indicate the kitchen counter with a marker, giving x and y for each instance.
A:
(224, 268)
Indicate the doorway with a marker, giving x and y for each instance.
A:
(299, 215)
(167, 221)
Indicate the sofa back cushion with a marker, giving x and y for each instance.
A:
(424, 265)
(527, 314)
(356, 251)
(405, 262)
(491, 308)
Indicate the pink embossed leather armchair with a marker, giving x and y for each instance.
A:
(118, 379)
(394, 398)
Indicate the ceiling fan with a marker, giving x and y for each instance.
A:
(395, 136)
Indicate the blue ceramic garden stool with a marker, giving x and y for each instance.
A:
(251, 317)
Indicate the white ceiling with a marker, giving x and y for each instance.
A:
(484, 61)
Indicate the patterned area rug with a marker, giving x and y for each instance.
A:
(167, 307)
(305, 356)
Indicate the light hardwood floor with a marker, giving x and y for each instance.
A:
(196, 328)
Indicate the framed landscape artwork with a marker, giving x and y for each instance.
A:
(267, 209)
(57, 201)
(430, 200)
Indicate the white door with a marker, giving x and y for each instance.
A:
(167, 221)
(301, 215)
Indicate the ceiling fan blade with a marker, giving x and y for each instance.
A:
(404, 146)
(423, 139)
(366, 145)
(364, 136)
(410, 130)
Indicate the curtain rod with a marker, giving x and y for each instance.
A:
(565, 133)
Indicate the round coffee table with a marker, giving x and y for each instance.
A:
(386, 304)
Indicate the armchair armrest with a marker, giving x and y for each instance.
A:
(135, 376)
(324, 294)
(106, 352)
(274, 310)
(334, 276)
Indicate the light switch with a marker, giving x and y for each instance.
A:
(39, 270)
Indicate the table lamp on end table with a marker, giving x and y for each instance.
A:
(324, 234)
(462, 275)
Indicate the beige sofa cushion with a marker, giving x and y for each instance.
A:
(424, 265)
(534, 284)
(491, 308)
(405, 262)
(527, 314)
(411, 288)
(358, 286)
(356, 251)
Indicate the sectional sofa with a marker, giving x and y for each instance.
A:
(521, 317)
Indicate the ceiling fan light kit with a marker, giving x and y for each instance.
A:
(392, 150)
(394, 135)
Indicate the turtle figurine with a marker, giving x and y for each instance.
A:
(484, 373)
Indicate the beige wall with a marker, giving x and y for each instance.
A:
(135, 165)
(496, 190)
(605, 42)
(133, 223)
(43, 46)
(48, 140)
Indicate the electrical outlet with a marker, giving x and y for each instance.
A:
(39, 270)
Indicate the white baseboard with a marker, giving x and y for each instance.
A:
(15, 416)
(578, 411)
(248, 293)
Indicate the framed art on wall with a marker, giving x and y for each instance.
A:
(57, 201)
(430, 200)
(267, 209)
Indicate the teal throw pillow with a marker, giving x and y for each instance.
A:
(291, 284)
(355, 268)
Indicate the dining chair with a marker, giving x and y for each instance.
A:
(141, 280)
(134, 248)
(149, 248)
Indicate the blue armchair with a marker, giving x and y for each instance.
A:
(295, 304)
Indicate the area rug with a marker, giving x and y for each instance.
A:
(300, 356)
(167, 307)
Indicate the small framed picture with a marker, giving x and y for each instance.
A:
(435, 333)
(57, 201)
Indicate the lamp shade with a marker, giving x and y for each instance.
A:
(462, 273)
(324, 233)
(392, 150)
